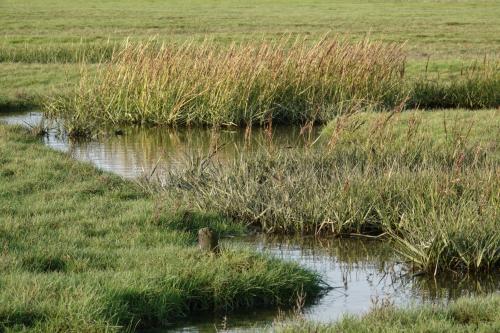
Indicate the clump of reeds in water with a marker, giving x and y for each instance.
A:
(430, 180)
(286, 80)
(458, 239)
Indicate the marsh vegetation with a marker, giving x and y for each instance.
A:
(291, 80)
(288, 81)
(83, 250)
(103, 255)
(428, 180)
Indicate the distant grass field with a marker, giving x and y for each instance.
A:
(442, 28)
(23, 85)
(448, 33)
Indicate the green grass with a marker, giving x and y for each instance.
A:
(476, 87)
(478, 314)
(24, 86)
(467, 28)
(429, 179)
(442, 127)
(86, 251)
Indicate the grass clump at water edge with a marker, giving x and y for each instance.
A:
(478, 314)
(409, 175)
(286, 80)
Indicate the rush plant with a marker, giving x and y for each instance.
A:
(286, 80)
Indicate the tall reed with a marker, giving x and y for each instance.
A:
(287, 80)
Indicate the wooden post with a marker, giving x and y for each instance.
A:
(208, 240)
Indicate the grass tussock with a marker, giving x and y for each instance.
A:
(103, 255)
(290, 81)
(459, 241)
(287, 81)
(411, 175)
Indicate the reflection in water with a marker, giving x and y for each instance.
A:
(360, 272)
(138, 151)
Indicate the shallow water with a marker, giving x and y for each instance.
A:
(362, 273)
(137, 151)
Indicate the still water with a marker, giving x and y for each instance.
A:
(137, 151)
(362, 273)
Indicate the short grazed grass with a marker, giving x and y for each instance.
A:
(85, 251)
(57, 53)
(469, 28)
(478, 314)
(26, 86)
(429, 179)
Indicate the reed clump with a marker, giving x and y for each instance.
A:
(286, 80)
(370, 175)
(458, 241)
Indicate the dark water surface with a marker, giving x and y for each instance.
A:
(363, 273)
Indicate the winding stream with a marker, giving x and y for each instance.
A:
(361, 272)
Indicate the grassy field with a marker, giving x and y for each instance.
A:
(443, 29)
(58, 31)
(24, 86)
(480, 314)
(85, 251)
